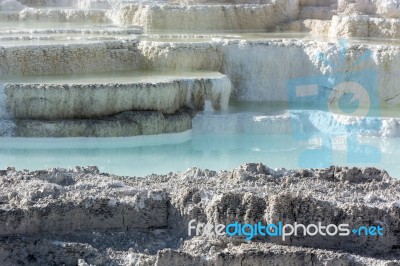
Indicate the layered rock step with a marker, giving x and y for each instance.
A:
(65, 36)
(64, 57)
(357, 19)
(104, 4)
(125, 124)
(56, 15)
(74, 105)
(25, 29)
(360, 26)
(159, 16)
(344, 18)
(206, 15)
(255, 81)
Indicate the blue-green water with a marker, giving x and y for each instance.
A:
(140, 156)
(260, 133)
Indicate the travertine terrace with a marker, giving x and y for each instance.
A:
(122, 68)
(236, 42)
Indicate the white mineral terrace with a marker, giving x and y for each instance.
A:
(97, 95)
(119, 68)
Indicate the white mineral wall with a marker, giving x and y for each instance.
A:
(70, 58)
(61, 15)
(206, 17)
(383, 8)
(261, 70)
(181, 56)
(362, 26)
(273, 65)
(348, 18)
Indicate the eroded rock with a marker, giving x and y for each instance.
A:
(82, 216)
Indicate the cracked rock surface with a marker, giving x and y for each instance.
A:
(81, 216)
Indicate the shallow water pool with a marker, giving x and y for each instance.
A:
(220, 150)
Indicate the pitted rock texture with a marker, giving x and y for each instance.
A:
(81, 216)
(124, 124)
(71, 58)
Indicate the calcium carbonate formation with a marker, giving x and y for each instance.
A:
(247, 51)
(112, 68)
(74, 37)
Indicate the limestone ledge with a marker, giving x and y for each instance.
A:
(251, 66)
(125, 124)
(54, 15)
(356, 26)
(67, 101)
(219, 16)
(69, 58)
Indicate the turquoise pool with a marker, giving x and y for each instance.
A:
(218, 141)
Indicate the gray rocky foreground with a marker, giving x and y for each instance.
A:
(81, 216)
